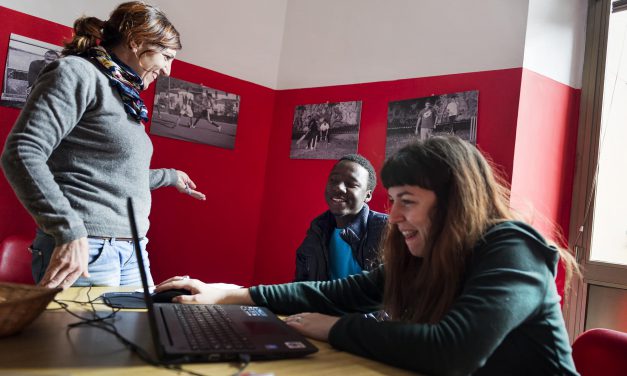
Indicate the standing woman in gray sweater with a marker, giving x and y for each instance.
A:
(79, 148)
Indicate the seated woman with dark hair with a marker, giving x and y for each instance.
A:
(467, 288)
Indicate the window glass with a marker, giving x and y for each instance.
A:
(609, 233)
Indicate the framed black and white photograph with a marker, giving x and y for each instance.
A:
(325, 130)
(420, 118)
(26, 58)
(194, 112)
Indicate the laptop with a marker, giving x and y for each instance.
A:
(185, 333)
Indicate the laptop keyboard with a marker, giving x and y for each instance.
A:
(207, 327)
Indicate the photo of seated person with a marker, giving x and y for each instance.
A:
(469, 288)
(36, 66)
(345, 239)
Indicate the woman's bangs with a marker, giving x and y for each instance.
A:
(401, 169)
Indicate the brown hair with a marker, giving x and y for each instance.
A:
(131, 21)
(470, 198)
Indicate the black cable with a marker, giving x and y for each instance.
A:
(63, 304)
(101, 322)
(244, 362)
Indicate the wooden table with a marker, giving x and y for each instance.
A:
(48, 347)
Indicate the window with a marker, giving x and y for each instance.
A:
(599, 209)
(609, 226)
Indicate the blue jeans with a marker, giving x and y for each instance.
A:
(111, 262)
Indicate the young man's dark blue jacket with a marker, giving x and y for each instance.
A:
(363, 235)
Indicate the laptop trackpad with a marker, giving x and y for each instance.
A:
(259, 328)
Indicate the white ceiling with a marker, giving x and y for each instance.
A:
(239, 38)
(284, 44)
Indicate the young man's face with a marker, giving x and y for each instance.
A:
(347, 191)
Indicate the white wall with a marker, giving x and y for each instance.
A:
(555, 40)
(284, 44)
(329, 42)
(240, 38)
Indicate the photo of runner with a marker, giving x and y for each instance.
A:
(195, 112)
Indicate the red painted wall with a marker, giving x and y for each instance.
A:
(260, 202)
(214, 240)
(294, 188)
(544, 160)
(13, 218)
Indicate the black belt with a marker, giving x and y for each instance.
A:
(107, 238)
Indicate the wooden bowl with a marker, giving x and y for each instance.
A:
(21, 304)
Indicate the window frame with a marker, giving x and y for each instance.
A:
(587, 158)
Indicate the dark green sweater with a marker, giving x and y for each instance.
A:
(506, 320)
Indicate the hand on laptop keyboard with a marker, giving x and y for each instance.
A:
(202, 293)
(166, 296)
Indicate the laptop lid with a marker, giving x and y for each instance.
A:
(154, 332)
(267, 336)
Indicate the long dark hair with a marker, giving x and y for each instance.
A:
(131, 21)
(471, 198)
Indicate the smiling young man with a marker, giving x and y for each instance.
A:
(345, 239)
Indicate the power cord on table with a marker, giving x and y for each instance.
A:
(104, 323)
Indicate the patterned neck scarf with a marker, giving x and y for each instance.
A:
(123, 79)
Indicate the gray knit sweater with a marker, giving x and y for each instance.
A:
(74, 156)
